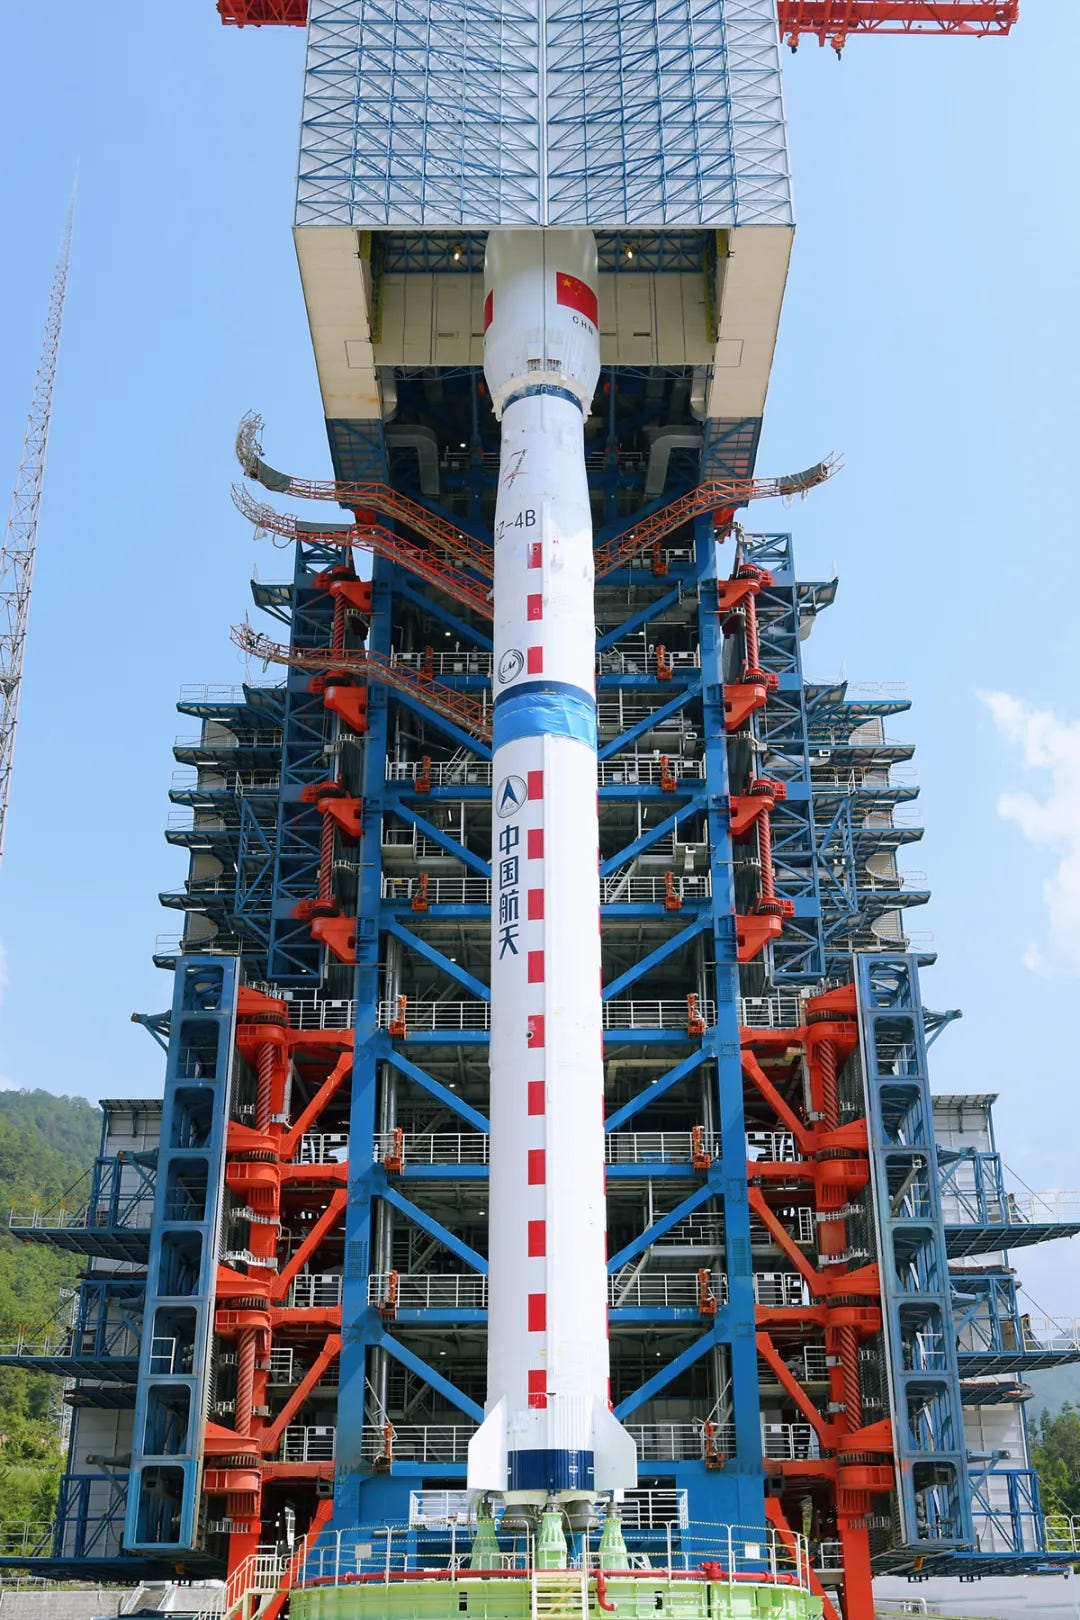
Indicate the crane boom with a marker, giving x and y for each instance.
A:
(20, 536)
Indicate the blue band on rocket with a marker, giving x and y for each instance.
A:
(545, 709)
(533, 389)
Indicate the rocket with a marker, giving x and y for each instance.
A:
(549, 1431)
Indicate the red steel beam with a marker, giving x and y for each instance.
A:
(828, 20)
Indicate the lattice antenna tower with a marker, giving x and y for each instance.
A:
(20, 536)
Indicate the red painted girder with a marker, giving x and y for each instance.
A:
(363, 497)
(825, 18)
(381, 498)
(371, 666)
(381, 542)
(831, 20)
(259, 13)
(719, 495)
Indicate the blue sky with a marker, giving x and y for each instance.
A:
(929, 334)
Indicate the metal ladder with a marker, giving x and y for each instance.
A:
(560, 1594)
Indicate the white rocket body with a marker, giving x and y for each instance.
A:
(549, 1429)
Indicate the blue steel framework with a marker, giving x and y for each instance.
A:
(792, 1330)
(694, 1272)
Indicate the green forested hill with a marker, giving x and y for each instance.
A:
(47, 1145)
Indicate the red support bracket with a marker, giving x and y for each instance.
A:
(348, 702)
(331, 799)
(753, 933)
(355, 592)
(741, 701)
(732, 593)
(338, 934)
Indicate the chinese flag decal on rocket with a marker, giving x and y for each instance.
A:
(576, 294)
(489, 309)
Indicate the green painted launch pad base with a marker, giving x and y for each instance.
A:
(491, 1597)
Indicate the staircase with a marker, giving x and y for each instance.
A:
(560, 1594)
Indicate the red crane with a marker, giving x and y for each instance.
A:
(828, 21)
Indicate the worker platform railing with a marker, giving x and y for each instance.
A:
(449, 1442)
(771, 1147)
(228, 741)
(1051, 1332)
(630, 1289)
(1062, 1533)
(782, 1010)
(787, 1442)
(323, 1147)
(626, 770)
(308, 1442)
(619, 888)
(468, 1290)
(421, 1017)
(32, 1538)
(411, 1148)
(320, 1290)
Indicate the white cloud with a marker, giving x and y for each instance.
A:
(1048, 818)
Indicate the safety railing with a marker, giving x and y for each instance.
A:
(32, 1342)
(648, 770)
(1051, 1332)
(323, 1147)
(212, 945)
(619, 888)
(317, 1012)
(648, 1290)
(417, 1442)
(661, 1147)
(228, 740)
(32, 1538)
(780, 1288)
(681, 1442)
(304, 1442)
(1062, 1533)
(468, 772)
(207, 779)
(472, 662)
(431, 1147)
(449, 1442)
(674, 1290)
(414, 844)
(1044, 1208)
(771, 1147)
(616, 711)
(654, 1508)
(626, 770)
(732, 1555)
(787, 1442)
(408, 1291)
(782, 1010)
(438, 891)
(633, 658)
(623, 888)
(799, 1223)
(424, 1016)
(315, 1291)
(199, 692)
(620, 1014)
(131, 1213)
(700, 1230)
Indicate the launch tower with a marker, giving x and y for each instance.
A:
(349, 1333)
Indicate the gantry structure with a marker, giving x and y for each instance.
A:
(277, 1356)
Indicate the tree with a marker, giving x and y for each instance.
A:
(1055, 1452)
